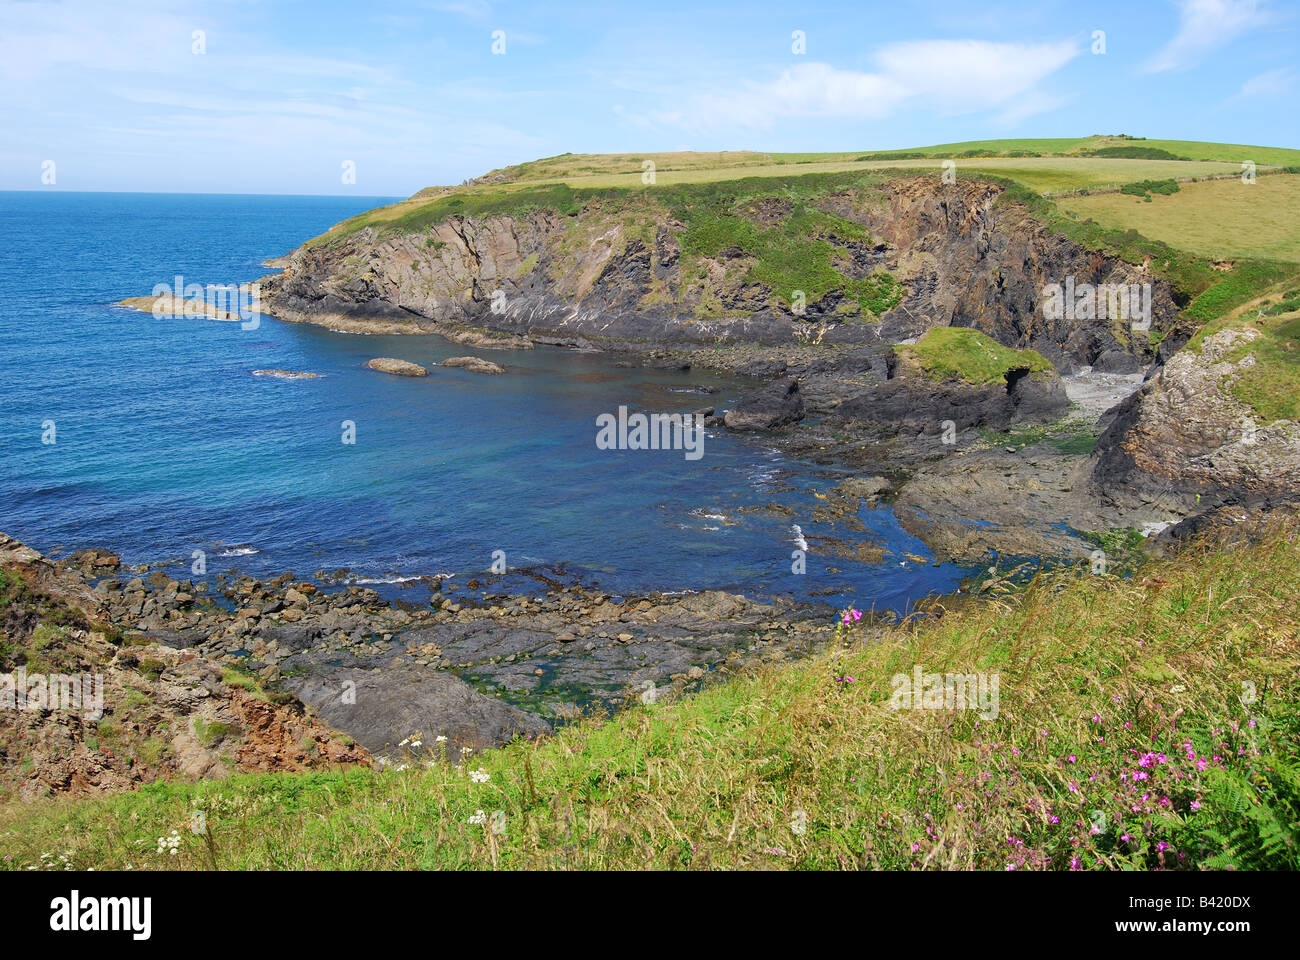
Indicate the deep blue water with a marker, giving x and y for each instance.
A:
(166, 443)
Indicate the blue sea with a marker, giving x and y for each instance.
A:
(165, 442)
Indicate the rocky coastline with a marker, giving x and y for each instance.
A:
(1086, 433)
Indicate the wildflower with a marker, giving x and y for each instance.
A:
(478, 818)
(1196, 804)
(480, 775)
(441, 739)
(1075, 864)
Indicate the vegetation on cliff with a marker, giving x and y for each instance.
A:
(960, 353)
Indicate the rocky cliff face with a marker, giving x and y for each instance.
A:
(161, 712)
(1184, 440)
(962, 259)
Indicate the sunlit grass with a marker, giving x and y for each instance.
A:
(1143, 721)
(1217, 218)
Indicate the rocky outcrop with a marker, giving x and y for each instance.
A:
(777, 404)
(400, 368)
(962, 258)
(912, 403)
(140, 710)
(474, 365)
(1184, 440)
(402, 701)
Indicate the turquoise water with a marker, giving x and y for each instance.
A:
(165, 443)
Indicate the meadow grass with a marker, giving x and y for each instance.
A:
(1143, 721)
(1040, 173)
(1223, 219)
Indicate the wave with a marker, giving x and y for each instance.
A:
(244, 551)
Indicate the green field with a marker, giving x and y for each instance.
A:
(1059, 167)
(1219, 218)
(1122, 740)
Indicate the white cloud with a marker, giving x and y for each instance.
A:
(1203, 26)
(1271, 83)
(948, 76)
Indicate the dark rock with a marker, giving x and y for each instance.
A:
(402, 700)
(776, 405)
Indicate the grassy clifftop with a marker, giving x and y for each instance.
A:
(1140, 721)
(1040, 165)
(960, 353)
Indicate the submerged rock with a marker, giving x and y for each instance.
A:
(474, 365)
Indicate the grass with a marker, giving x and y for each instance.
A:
(1221, 219)
(1192, 149)
(1041, 165)
(1272, 385)
(1143, 721)
(960, 353)
(795, 254)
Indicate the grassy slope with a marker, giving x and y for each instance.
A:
(1220, 218)
(1158, 709)
(1059, 168)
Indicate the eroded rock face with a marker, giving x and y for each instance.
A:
(143, 711)
(914, 404)
(962, 258)
(1183, 439)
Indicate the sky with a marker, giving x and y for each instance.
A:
(380, 98)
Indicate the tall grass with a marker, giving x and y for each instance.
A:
(1145, 721)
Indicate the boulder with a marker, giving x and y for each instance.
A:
(400, 368)
(474, 365)
(777, 404)
(386, 707)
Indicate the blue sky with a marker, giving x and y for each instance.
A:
(285, 93)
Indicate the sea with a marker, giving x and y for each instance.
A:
(154, 438)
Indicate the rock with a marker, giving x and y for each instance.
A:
(775, 405)
(94, 562)
(866, 488)
(482, 340)
(474, 365)
(401, 700)
(286, 374)
(1184, 441)
(401, 368)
